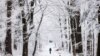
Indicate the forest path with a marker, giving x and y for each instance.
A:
(54, 52)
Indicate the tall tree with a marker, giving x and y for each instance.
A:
(73, 36)
(25, 38)
(8, 40)
(31, 17)
(76, 33)
(24, 28)
(98, 49)
(99, 15)
(76, 29)
(38, 27)
(73, 28)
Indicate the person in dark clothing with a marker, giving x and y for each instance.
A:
(50, 50)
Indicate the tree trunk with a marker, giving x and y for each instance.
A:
(8, 40)
(99, 15)
(78, 33)
(25, 38)
(98, 48)
(32, 12)
(34, 51)
(25, 34)
(73, 36)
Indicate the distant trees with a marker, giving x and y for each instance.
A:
(71, 28)
(88, 26)
(83, 43)
(64, 24)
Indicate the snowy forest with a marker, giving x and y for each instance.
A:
(49, 27)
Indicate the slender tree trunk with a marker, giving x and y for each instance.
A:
(99, 15)
(25, 38)
(32, 12)
(98, 48)
(61, 35)
(25, 34)
(31, 18)
(60, 26)
(32, 25)
(34, 51)
(8, 40)
(37, 32)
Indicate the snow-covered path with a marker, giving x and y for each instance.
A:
(45, 52)
(51, 32)
(54, 53)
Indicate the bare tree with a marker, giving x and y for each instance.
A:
(24, 29)
(76, 30)
(31, 16)
(8, 40)
(25, 39)
(38, 27)
(88, 30)
(98, 49)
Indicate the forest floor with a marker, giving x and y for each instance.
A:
(54, 52)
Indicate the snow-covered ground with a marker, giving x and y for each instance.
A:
(45, 52)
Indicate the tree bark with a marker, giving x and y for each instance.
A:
(34, 51)
(99, 15)
(8, 40)
(24, 28)
(73, 36)
(25, 35)
(76, 33)
(98, 48)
